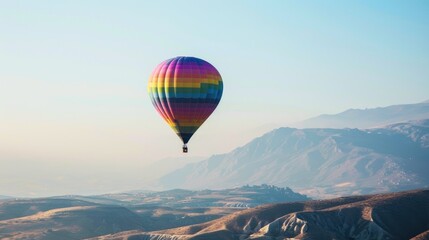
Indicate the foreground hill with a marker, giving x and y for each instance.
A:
(320, 162)
(401, 215)
(63, 219)
(369, 118)
(24, 207)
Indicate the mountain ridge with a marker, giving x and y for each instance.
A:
(337, 161)
(369, 117)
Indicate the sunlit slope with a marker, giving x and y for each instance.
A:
(401, 215)
(53, 219)
(24, 207)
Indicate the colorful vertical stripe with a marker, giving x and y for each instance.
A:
(185, 91)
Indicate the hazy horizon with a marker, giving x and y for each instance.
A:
(75, 117)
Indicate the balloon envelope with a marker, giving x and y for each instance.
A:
(185, 91)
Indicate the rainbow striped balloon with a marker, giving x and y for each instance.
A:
(185, 91)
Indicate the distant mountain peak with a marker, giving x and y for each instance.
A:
(368, 117)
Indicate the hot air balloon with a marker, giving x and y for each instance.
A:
(185, 91)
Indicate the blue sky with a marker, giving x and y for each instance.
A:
(73, 75)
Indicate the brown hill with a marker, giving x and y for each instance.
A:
(77, 217)
(402, 215)
(75, 222)
(25, 207)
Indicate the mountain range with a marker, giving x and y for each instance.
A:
(319, 162)
(285, 166)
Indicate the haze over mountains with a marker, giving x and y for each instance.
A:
(319, 162)
(369, 118)
(325, 162)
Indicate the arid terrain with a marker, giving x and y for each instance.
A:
(318, 163)
(77, 217)
(249, 212)
(403, 215)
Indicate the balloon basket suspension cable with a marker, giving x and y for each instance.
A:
(185, 148)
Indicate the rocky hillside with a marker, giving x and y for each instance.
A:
(403, 215)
